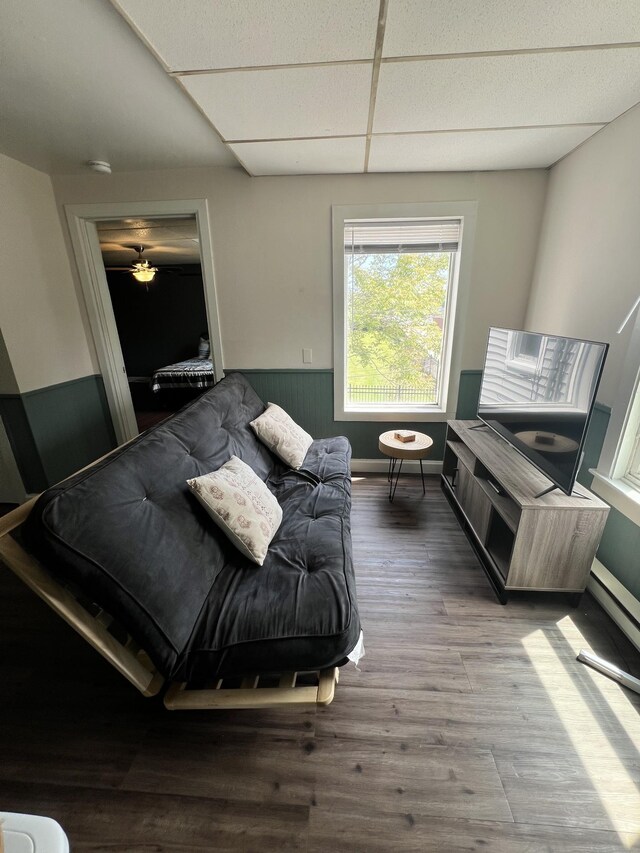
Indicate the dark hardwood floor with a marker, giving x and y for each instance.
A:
(470, 726)
(147, 419)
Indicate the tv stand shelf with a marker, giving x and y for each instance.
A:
(524, 541)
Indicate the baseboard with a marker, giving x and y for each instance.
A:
(616, 599)
(410, 466)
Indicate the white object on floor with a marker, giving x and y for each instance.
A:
(26, 833)
(358, 651)
(610, 670)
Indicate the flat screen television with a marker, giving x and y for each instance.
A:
(538, 393)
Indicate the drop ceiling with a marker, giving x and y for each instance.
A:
(166, 240)
(322, 86)
(312, 86)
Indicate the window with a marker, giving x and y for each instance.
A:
(628, 461)
(524, 352)
(617, 478)
(398, 274)
(395, 308)
(631, 469)
(633, 473)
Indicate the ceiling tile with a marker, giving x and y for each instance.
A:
(416, 28)
(159, 227)
(205, 34)
(475, 151)
(503, 91)
(166, 252)
(326, 100)
(303, 157)
(166, 239)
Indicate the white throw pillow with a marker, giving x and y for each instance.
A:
(241, 505)
(282, 435)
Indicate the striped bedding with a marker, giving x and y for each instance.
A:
(192, 373)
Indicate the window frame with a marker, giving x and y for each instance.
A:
(629, 456)
(632, 474)
(466, 212)
(613, 479)
(519, 362)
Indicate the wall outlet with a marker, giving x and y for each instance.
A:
(307, 356)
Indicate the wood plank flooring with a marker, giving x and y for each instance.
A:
(469, 726)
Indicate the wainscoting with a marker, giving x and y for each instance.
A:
(620, 546)
(308, 397)
(54, 431)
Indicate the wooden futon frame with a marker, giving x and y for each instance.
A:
(102, 632)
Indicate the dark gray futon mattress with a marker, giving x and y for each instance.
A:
(132, 537)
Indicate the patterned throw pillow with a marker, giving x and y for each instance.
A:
(282, 435)
(241, 505)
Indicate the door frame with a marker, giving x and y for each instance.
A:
(82, 219)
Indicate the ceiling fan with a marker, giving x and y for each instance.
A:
(141, 268)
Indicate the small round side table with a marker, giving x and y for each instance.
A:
(398, 451)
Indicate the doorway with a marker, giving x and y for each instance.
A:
(148, 332)
(155, 283)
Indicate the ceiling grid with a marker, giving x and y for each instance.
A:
(313, 86)
(320, 86)
(375, 76)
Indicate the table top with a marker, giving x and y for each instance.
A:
(416, 449)
(554, 444)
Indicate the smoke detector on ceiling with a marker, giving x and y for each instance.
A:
(100, 166)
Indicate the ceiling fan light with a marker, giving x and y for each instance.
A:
(144, 276)
(141, 270)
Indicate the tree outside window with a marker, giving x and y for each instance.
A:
(398, 270)
(396, 307)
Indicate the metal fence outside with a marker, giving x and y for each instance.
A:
(389, 394)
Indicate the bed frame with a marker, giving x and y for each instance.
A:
(102, 632)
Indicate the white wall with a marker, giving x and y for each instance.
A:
(588, 269)
(272, 247)
(39, 313)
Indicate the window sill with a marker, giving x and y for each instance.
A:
(398, 416)
(619, 494)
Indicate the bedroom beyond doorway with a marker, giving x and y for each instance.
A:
(151, 243)
(154, 276)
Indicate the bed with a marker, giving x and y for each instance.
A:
(192, 373)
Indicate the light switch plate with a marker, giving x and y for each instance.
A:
(307, 356)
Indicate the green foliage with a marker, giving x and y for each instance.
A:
(393, 302)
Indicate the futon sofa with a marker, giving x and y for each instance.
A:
(130, 536)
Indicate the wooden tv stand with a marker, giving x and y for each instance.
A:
(524, 542)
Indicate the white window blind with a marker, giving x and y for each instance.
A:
(378, 236)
